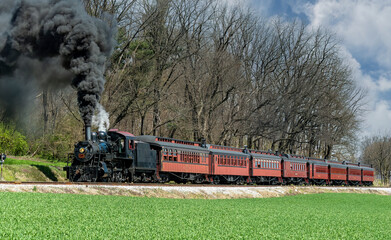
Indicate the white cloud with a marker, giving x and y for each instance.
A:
(378, 121)
(236, 3)
(364, 27)
(377, 113)
(384, 84)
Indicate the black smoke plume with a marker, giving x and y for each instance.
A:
(52, 43)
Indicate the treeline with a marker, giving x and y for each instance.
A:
(377, 152)
(201, 69)
(204, 70)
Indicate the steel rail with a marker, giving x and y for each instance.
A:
(170, 184)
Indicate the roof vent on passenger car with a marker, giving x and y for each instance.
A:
(171, 140)
(225, 148)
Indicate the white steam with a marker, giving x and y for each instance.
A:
(101, 118)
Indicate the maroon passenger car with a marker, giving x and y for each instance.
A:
(295, 169)
(337, 173)
(265, 167)
(180, 160)
(229, 165)
(367, 176)
(318, 171)
(354, 174)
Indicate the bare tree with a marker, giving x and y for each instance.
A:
(313, 89)
(197, 69)
(377, 151)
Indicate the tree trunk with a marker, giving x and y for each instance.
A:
(250, 141)
(45, 109)
(328, 149)
(142, 120)
(240, 141)
(156, 113)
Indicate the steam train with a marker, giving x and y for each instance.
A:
(117, 156)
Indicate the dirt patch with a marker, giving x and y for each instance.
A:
(182, 192)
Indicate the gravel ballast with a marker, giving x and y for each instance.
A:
(189, 192)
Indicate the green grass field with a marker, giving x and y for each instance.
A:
(32, 169)
(11, 161)
(319, 216)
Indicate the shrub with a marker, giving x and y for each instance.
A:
(55, 146)
(12, 141)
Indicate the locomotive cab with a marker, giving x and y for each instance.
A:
(124, 144)
(138, 157)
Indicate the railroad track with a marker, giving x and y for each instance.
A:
(83, 183)
(127, 184)
(160, 184)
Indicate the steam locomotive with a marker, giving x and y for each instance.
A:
(118, 156)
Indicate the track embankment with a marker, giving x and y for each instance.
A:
(183, 191)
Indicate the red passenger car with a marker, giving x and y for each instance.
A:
(318, 171)
(229, 165)
(367, 176)
(265, 167)
(180, 160)
(354, 174)
(338, 173)
(295, 169)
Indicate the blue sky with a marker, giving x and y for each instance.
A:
(364, 30)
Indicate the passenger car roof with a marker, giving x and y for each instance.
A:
(266, 156)
(173, 144)
(218, 151)
(126, 134)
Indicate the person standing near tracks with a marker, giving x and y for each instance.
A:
(2, 158)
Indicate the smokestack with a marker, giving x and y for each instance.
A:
(88, 132)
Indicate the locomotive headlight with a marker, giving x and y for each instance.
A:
(81, 150)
